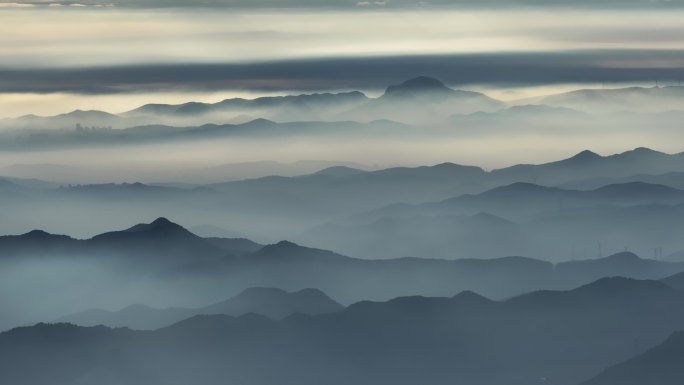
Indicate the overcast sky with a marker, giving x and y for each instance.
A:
(355, 3)
(51, 55)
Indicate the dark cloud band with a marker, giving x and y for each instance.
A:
(509, 69)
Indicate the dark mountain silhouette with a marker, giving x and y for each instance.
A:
(160, 227)
(272, 303)
(416, 87)
(545, 222)
(558, 233)
(528, 214)
(527, 196)
(562, 338)
(406, 102)
(237, 246)
(323, 195)
(618, 289)
(36, 242)
(158, 239)
(161, 238)
(92, 114)
(410, 97)
(356, 191)
(295, 107)
(662, 365)
(422, 99)
(590, 165)
(623, 264)
(174, 255)
(326, 196)
(275, 303)
(289, 266)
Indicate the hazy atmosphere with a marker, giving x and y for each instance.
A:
(307, 192)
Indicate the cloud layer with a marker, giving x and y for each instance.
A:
(504, 69)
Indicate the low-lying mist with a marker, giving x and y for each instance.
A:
(486, 141)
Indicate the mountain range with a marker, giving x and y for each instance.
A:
(519, 219)
(345, 106)
(159, 242)
(560, 337)
(620, 99)
(464, 211)
(419, 101)
(176, 259)
(272, 303)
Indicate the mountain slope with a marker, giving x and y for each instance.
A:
(587, 164)
(420, 100)
(465, 339)
(642, 99)
(675, 281)
(35, 242)
(272, 303)
(662, 365)
(280, 108)
(160, 239)
(516, 219)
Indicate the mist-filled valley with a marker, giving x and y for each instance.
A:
(126, 246)
(308, 192)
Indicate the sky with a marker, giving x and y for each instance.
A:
(120, 54)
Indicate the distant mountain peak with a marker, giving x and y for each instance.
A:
(41, 235)
(453, 166)
(624, 256)
(37, 234)
(586, 155)
(615, 285)
(471, 297)
(86, 113)
(282, 246)
(286, 244)
(340, 171)
(417, 84)
(161, 221)
(260, 121)
(520, 187)
(643, 152)
(158, 225)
